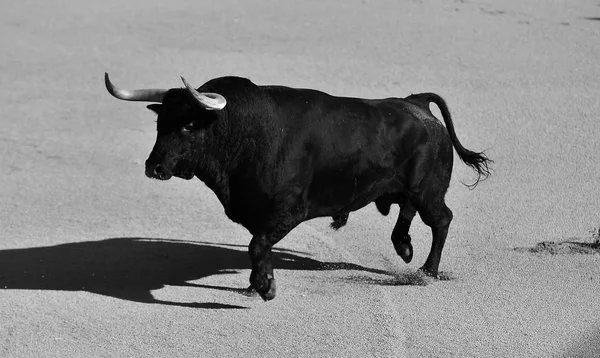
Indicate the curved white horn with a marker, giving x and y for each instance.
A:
(143, 95)
(209, 100)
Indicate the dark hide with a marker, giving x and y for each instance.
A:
(277, 156)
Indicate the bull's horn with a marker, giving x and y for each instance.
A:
(143, 95)
(209, 100)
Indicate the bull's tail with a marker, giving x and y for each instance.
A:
(478, 161)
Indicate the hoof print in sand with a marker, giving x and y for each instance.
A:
(563, 248)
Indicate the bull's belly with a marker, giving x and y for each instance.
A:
(349, 194)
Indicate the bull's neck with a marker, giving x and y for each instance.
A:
(231, 146)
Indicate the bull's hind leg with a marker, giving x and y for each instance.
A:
(437, 217)
(428, 198)
(400, 236)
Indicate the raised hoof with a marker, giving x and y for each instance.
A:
(339, 221)
(405, 251)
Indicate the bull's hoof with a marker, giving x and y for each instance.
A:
(429, 272)
(268, 294)
(339, 221)
(263, 285)
(405, 251)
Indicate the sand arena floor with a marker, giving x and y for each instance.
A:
(98, 261)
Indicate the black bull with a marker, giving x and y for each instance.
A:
(277, 156)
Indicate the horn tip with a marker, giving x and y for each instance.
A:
(185, 82)
(109, 85)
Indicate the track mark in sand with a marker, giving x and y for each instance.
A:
(398, 343)
(492, 11)
(406, 278)
(562, 248)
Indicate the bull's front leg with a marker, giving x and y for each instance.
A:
(262, 278)
(288, 209)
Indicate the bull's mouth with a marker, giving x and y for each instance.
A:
(163, 177)
(184, 169)
(186, 174)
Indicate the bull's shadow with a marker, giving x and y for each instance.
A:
(130, 268)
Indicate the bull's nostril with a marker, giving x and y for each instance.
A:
(158, 171)
(154, 171)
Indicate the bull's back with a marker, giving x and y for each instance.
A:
(350, 151)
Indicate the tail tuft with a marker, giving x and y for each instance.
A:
(480, 164)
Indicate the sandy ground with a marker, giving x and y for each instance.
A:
(98, 261)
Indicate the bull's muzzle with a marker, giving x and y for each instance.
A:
(157, 171)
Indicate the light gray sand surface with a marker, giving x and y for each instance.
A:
(99, 261)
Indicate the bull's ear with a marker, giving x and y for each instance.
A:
(155, 107)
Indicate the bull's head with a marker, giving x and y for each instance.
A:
(183, 118)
